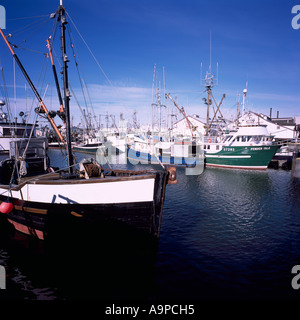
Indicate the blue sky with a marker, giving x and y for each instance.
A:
(253, 42)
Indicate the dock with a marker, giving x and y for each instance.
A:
(287, 158)
(295, 148)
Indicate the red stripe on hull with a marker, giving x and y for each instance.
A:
(29, 231)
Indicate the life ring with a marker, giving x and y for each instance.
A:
(209, 141)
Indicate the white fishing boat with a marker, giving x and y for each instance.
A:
(90, 145)
(180, 151)
(169, 148)
(43, 200)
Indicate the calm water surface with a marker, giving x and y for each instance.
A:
(225, 234)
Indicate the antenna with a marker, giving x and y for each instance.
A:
(209, 51)
(152, 105)
(201, 75)
(208, 82)
(209, 77)
(244, 98)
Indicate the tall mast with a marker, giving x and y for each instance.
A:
(42, 105)
(61, 111)
(244, 100)
(63, 22)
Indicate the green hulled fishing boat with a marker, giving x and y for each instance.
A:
(246, 147)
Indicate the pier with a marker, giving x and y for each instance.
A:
(287, 158)
(295, 148)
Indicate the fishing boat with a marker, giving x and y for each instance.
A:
(117, 140)
(169, 148)
(11, 132)
(246, 147)
(179, 151)
(41, 201)
(90, 145)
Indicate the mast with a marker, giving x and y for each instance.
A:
(42, 105)
(61, 111)
(63, 22)
(244, 100)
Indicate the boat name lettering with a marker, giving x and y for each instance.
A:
(228, 149)
(256, 148)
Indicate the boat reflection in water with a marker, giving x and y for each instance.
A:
(76, 267)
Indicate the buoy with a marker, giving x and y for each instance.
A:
(6, 207)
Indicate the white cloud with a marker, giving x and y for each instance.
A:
(118, 99)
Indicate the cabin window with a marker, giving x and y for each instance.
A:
(20, 133)
(244, 138)
(208, 147)
(194, 151)
(6, 132)
(227, 138)
(257, 138)
(217, 147)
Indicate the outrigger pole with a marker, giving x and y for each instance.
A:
(190, 125)
(61, 112)
(43, 107)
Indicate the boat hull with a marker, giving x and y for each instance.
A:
(249, 157)
(146, 158)
(134, 207)
(88, 149)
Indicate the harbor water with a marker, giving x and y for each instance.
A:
(226, 234)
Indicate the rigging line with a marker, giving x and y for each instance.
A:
(97, 62)
(27, 27)
(31, 131)
(87, 125)
(45, 15)
(6, 93)
(27, 49)
(78, 66)
(78, 71)
(38, 83)
(32, 33)
(85, 86)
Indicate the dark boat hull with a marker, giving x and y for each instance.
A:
(46, 220)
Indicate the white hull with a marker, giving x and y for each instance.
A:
(86, 193)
